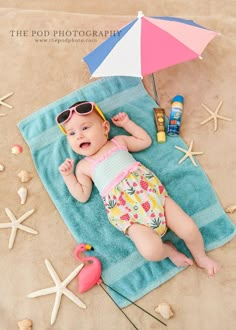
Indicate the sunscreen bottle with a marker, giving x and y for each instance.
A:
(175, 115)
(159, 115)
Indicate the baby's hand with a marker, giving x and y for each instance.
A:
(67, 167)
(120, 119)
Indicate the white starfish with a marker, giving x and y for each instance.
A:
(214, 115)
(4, 103)
(189, 153)
(59, 289)
(16, 224)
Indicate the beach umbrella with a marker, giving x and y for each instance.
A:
(147, 45)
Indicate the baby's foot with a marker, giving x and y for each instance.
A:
(211, 266)
(178, 258)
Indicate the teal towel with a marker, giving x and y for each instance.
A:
(123, 267)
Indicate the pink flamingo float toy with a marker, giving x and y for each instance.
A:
(90, 275)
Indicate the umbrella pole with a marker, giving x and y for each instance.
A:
(154, 88)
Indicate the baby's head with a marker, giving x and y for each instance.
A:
(85, 127)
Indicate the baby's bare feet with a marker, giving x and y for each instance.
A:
(210, 265)
(178, 258)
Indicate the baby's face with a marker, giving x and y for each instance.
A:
(86, 134)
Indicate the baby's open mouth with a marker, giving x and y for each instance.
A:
(84, 145)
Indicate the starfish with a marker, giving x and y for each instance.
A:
(4, 103)
(189, 153)
(16, 224)
(59, 289)
(214, 115)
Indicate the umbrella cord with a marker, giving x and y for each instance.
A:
(154, 88)
(134, 304)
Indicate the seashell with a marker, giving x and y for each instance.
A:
(164, 310)
(25, 325)
(2, 167)
(16, 149)
(22, 192)
(230, 209)
(25, 176)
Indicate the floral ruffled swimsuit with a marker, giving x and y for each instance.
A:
(131, 193)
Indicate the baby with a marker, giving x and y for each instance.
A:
(135, 200)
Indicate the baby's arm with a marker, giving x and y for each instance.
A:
(80, 186)
(139, 138)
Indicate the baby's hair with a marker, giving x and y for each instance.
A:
(77, 103)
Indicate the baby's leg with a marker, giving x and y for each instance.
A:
(180, 223)
(151, 247)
